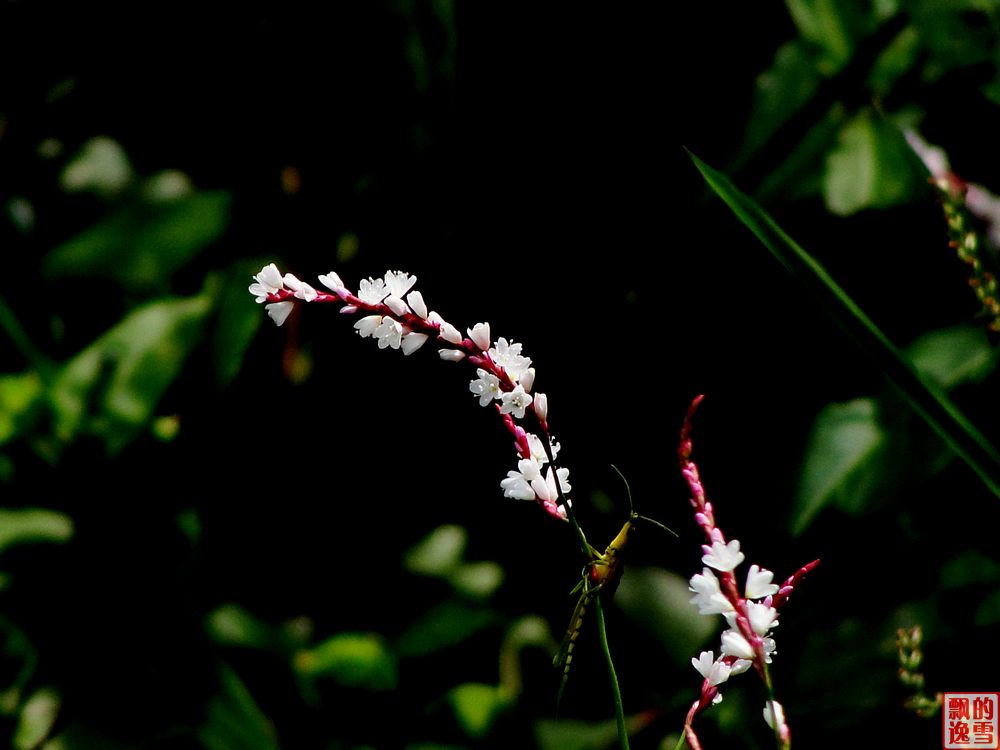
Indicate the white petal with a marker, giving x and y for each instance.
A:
(734, 644)
(412, 342)
(367, 325)
(450, 334)
(397, 305)
(279, 311)
(527, 378)
(541, 406)
(759, 583)
(416, 302)
(480, 335)
(451, 355)
(332, 282)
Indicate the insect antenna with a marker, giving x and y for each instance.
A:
(631, 507)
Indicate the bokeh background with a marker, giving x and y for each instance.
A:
(215, 533)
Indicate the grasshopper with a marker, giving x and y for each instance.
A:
(600, 576)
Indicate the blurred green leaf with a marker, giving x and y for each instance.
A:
(18, 396)
(351, 659)
(575, 735)
(843, 462)
(238, 323)
(659, 602)
(112, 387)
(924, 396)
(971, 568)
(477, 580)
(896, 60)
(477, 706)
(831, 26)
(988, 610)
(37, 716)
(447, 624)
(233, 719)
(953, 356)
(439, 553)
(101, 166)
(232, 625)
(871, 167)
(142, 243)
(31, 525)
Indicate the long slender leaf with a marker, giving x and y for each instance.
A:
(924, 396)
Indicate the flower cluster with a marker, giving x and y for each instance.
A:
(751, 614)
(397, 317)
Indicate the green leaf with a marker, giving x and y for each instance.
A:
(232, 625)
(33, 525)
(36, 719)
(18, 395)
(575, 735)
(101, 166)
(971, 568)
(924, 396)
(352, 659)
(831, 26)
(439, 553)
(112, 387)
(233, 719)
(953, 356)
(446, 625)
(658, 601)
(238, 322)
(843, 461)
(477, 580)
(144, 242)
(477, 706)
(871, 167)
(988, 611)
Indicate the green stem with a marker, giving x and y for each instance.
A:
(22, 341)
(619, 707)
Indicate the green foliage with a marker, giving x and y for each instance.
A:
(32, 525)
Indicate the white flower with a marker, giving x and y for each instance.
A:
(397, 305)
(413, 341)
(302, 289)
(367, 325)
(508, 356)
(734, 644)
(770, 648)
(762, 618)
(487, 387)
(740, 666)
(332, 282)
(372, 291)
(445, 329)
(774, 714)
(546, 488)
(527, 378)
(279, 311)
(723, 557)
(518, 483)
(399, 282)
(538, 448)
(416, 302)
(715, 671)
(269, 281)
(389, 333)
(759, 583)
(480, 335)
(451, 355)
(541, 406)
(515, 402)
(708, 596)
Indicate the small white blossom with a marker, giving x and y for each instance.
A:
(541, 406)
(740, 666)
(399, 282)
(508, 356)
(279, 311)
(445, 329)
(723, 557)
(372, 291)
(715, 671)
(480, 335)
(527, 378)
(546, 488)
(774, 714)
(759, 583)
(770, 648)
(269, 281)
(515, 402)
(451, 355)
(762, 618)
(389, 333)
(397, 305)
(416, 302)
(538, 448)
(413, 341)
(518, 483)
(734, 644)
(302, 289)
(487, 387)
(367, 325)
(332, 282)
(708, 595)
